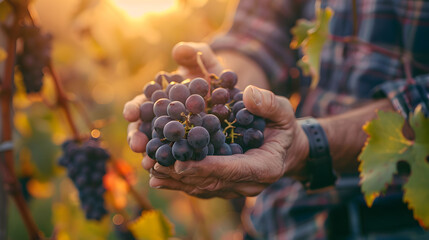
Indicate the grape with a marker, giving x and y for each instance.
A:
(198, 137)
(238, 96)
(199, 86)
(220, 96)
(195, 120)
(159, 125)
(195, 103)
(236, 148)
(228, 79)
(169, 86)
(174, 131)
(175, 110)
(158, 94)
(160, 107)
(150, 88)
(221, 112)
(145, 127)
(159, 76)
(253, 138)
(179, 92)
(237, 107)
(146, 112)
(86, 166)
(211, 123)
(258, 123)
(239, 131)
(181, 150)
(152, 146)
(244, 117)
(217, 139)
(224, 149)
(211, 149)
(155, 134)
(176, 78)
(164, 156)
(200, 154)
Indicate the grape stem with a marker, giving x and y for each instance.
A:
(10, 180)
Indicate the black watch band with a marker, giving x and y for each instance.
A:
(319, 163)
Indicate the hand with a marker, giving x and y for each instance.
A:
(284, 152)
(185, 55)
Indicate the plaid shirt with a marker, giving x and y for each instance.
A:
(350, 76)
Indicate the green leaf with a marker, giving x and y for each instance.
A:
(151, 225)
(386, 146)
(311, 36)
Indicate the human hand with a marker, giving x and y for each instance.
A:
(284, 152)
(185, 54)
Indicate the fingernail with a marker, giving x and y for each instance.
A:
(157, 187)
(256, 96)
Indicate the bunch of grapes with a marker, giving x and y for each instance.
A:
(190, 119)
(34, 57)
(86, 166)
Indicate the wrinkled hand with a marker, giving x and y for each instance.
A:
(185, 54)
(284, 152)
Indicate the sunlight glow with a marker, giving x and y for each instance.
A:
(137, 8)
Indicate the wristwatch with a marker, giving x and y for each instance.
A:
(319, 163)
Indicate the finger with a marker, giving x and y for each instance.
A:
(172, 184)
(185, 54)
(136, 139)
(266, 104)
(148, 163)
(154, 173)
(131, 110)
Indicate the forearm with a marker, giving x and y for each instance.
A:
(346, 136)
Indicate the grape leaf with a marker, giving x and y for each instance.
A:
(151, 225)
(386, 146)
(311, 36)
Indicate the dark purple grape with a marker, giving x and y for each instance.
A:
(221, 111)
(228, 79)
(220, 96)
(160, 107)
(154, 134)
(258, 123)
(211, 123)
(164, 156)
(179, 92)
(244, 117)
(195, 120)
(200, 154)
(170, 85)
(198, 137)
(146, 112)
(145, 127)
(237, 107)
(211, 149)
(159, 76)
(224, 149)
(217, 139)
(174, 131)
(199, 86)
(176, 110)
(182, 151)
(176, 78)
(158, 94)
(195, 104)
(152, 146)
(159, 125)
(253, 138)
(236, 148)
(238, 96)
(239, 132)
(150, 88)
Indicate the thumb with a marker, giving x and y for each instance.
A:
(266, 104)
(185, 54)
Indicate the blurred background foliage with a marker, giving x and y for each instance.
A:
(104, 52)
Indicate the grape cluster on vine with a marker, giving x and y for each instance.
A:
(189, 119)
(34, 57)
(86, 167)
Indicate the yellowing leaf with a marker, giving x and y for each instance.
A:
(386, 146)
(311, 36)
(151, 225)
